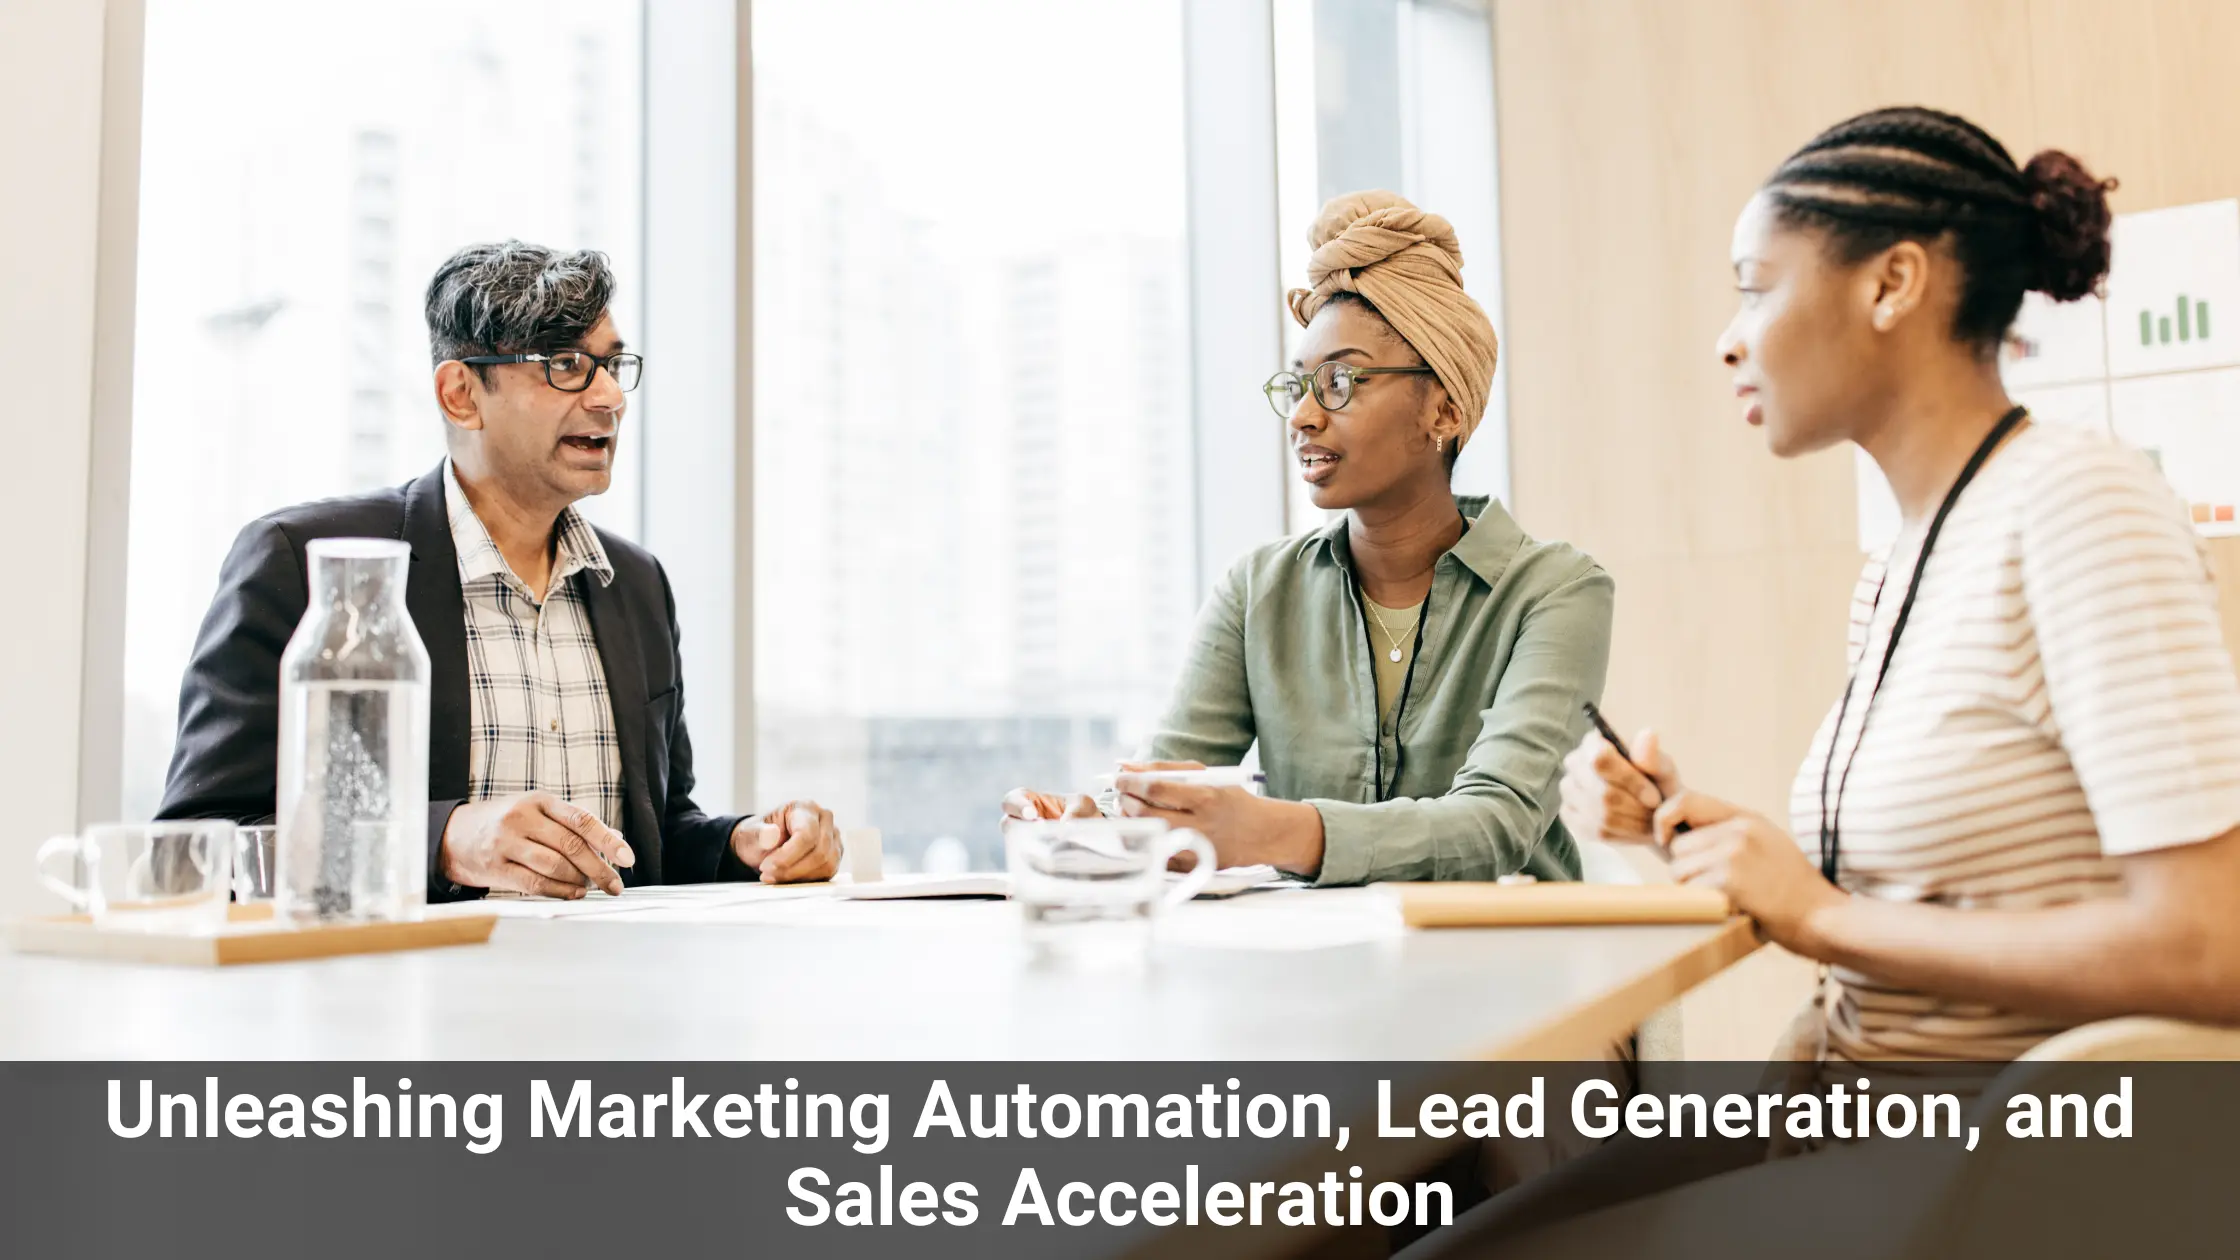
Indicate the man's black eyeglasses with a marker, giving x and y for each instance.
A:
(570, 371)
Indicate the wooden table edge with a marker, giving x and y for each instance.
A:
(1588, 1030)
(1585, 1031)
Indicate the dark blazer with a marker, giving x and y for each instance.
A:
(225, 764)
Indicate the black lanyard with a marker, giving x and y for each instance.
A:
(1407, 683)
(1831, 821)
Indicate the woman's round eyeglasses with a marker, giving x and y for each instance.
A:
(1331, 384)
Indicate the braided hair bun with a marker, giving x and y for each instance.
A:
(2072, 212)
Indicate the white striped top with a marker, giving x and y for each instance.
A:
(2062, 697)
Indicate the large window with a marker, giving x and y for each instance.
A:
(973, 507)
(976, 393)
(304, 167)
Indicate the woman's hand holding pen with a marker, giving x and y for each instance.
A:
(1028, 805)
(1757, 864)
(1245, 829)
(1608, 798)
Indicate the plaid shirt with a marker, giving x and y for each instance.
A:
(536, 687)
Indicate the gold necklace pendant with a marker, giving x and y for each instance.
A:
(1392, 640)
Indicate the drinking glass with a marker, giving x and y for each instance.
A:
(1089, 888)
(153, 877)
(254, 863)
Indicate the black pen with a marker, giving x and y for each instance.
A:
(1594, 715)
(1602, 725)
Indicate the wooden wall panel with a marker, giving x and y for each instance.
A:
(2149, 90)
(1632, 131)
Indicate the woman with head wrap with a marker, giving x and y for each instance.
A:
(1412, 672)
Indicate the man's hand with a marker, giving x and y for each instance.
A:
(532, 843)
(792, 844)
(1245, 829)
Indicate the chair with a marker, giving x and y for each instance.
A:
(2137, 1039)
(2054, 1197)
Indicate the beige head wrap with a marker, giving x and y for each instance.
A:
(1407, 264)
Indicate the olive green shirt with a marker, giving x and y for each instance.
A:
(1515, 636)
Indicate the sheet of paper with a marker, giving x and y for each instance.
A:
(2055, 343)
(952, 918)
(635, 901)
(2174, 289)
(2189, 424)
(1229, 881)
(917, 886)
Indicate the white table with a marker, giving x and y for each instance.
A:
(817, 979)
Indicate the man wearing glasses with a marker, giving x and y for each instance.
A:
(557, 751)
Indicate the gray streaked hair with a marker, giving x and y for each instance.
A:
(511, 297)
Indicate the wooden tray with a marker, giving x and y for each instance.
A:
(251, 936)
(1507, 905)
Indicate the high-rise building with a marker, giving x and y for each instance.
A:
(1021, 415)
(1099, 379)
(370, 364)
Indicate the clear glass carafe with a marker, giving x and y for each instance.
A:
(354, 742)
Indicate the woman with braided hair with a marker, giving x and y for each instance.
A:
(2024, 806)
(1413, 672)
(2023, 811)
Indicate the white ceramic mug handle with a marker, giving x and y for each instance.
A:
(79, 897)
(1195, 881)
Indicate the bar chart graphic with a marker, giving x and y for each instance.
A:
(2190, 323)
(2173, 294)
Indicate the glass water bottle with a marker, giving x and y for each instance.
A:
(353, 819)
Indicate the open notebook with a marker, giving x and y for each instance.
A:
(1226, 882)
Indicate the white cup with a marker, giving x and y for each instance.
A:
(155, 877)
(864, 854)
